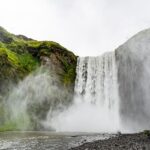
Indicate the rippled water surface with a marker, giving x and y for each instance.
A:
(45, 140)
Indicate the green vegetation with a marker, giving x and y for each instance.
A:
(21, 123)
(68, 76)
(8, 127)
(19, 56)
(22, 55)
(147, 133)
(13, 64)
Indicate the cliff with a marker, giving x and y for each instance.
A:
(24, 100)
(133, 61)
(20, 55)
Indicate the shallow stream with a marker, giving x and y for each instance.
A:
(46, 140)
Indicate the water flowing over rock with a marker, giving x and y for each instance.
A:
(95, 105)
(96, 80)
(111, 91)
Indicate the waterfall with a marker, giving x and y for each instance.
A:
(96, 81)
(96, 102)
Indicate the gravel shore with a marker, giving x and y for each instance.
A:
(139, 141)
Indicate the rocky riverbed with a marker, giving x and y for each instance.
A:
(139, 141)
(46, 140)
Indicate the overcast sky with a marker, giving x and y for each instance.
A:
(87, 27)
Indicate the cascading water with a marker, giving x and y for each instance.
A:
(96, 103)
(96, 81)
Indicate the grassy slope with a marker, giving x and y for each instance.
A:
(20, 55)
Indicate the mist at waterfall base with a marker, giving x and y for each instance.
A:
(85, 117)
(27, 103)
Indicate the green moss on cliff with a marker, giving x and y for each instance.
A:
(64, 59)
(69, 67)
(18, 64)
(8, 127)
(19, 56)
(21, 123)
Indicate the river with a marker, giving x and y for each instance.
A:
(46, 140)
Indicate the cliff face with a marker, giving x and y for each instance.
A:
(133, 60)
(19, 56)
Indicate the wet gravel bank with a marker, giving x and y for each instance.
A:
(139, 141)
